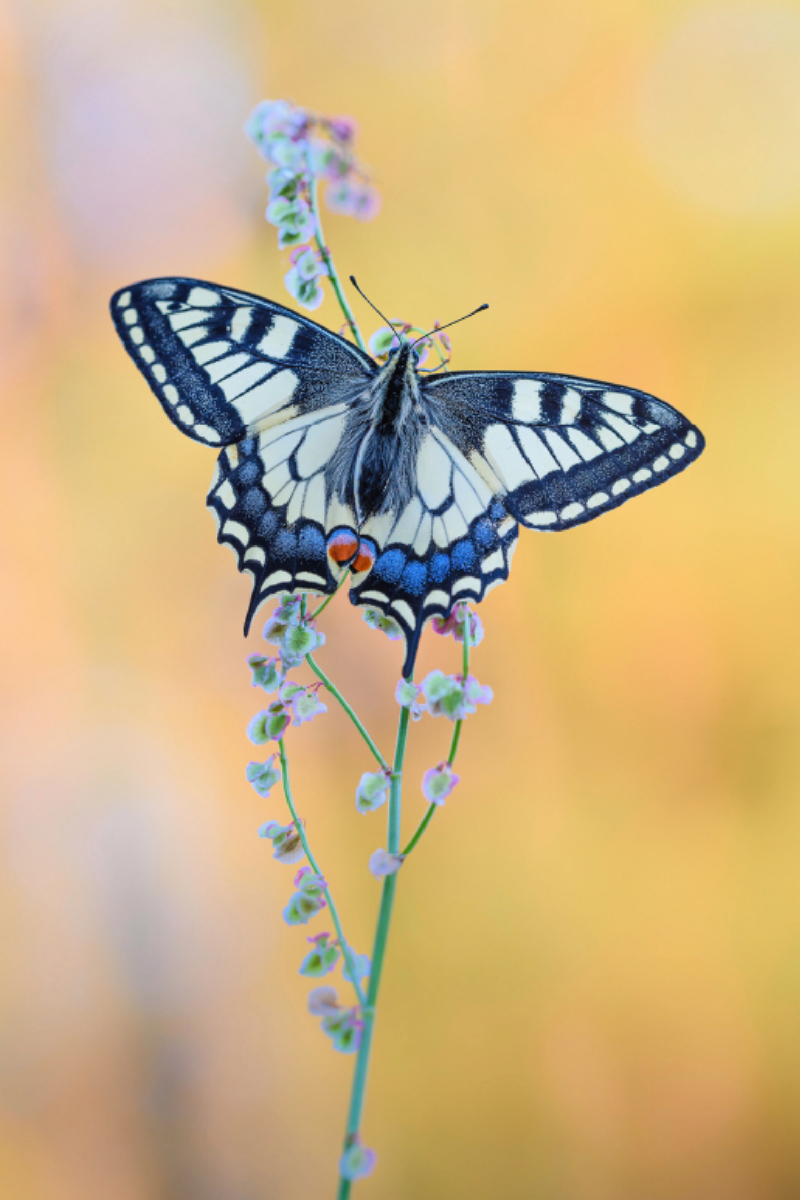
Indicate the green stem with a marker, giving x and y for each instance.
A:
(379, 948)
(423, 825)
(313, 616)
(451, 758)
(327, 258)
(348, 709)
(345, 945)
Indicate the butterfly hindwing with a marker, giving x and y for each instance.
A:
(453, 540)
(274, 505)
(561, 450)
(222, 361)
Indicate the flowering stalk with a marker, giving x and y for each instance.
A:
(451, 758)
(327, 259)
(345, 945)
(378, 951)
(327, 599)
(304, 149)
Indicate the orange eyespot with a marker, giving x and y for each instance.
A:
(342, 547)
(365, 558)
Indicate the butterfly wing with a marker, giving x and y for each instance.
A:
(235, 370)
(453, 540)
(222, 362)
(276, 506)
(561, 450)
(547, 451)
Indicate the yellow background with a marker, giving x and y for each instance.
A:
(593, 980)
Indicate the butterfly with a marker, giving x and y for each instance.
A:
(330, 462)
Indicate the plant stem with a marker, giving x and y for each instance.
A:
(327, 258)
(451, 758)
(350, 711)
(423, 825)
(379, 947)
(313, 616)
(346, 950)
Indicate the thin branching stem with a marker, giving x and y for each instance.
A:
(332, 688)
(349, 957)
(379, 947)
(327, 258)
(451, 758)
(313, 616)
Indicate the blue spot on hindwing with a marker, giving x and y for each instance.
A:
(439, 568)
(267, 525)
(253, 503)
(414, 579)
(312, 542)
(463, 556)
(285, 544)
(389, 566)
(484, 534)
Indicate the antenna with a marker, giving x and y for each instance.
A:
(369, 302)
(448, 325)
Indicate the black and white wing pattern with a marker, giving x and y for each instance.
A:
(503, 449)
(561, 450)
(223, 361)
(235, 370)
(330, 462)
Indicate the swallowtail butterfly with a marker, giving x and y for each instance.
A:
(330, 462)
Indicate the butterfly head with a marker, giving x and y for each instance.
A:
(400, 369)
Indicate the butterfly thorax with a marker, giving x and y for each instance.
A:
(388, 425)
(395, 392)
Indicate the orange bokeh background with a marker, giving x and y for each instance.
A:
(593, 985)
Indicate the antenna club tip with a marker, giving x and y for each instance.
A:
(353, 281)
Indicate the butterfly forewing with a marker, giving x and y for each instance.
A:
(223, 361)
(558, 449)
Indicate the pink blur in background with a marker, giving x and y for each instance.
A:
(593, 985)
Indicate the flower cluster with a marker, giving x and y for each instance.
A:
(304, 151)
(268, 673)
(411, 696)
(286, 841)
(443, 695)
(263, 776)
(361, 967)
(302, 148)
(438, 783)
(390, 337)
(294, 634)
(322, 959)
(372, 791)
(453, 696)
(295, 705)
(342, 1025)
(381, 863)
(358, 1160)
(309, 898)
(454, 624)
(376, 620)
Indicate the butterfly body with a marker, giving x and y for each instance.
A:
(383, 471)
(331, 462)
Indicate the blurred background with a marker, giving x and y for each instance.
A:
(593, 983)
